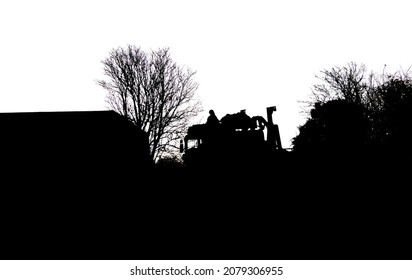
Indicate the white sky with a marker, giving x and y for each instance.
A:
(247, 54)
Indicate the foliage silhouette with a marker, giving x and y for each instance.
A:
(359, 113)
(336, 126)
(392, 118)
(151, 90)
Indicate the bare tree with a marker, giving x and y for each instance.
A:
(353, 84)
(348, 82)
(153, 92)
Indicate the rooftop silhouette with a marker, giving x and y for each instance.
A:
(73, 143)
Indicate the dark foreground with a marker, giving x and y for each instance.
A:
(305, 209)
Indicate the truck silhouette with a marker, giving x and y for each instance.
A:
(237, 139)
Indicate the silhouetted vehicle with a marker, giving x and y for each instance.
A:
(237, 139)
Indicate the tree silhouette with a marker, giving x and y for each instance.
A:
(351, 110)
(349, 82)
(154, 92)
(336, 127)
(392, 116)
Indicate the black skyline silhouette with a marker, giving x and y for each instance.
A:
(75, 186)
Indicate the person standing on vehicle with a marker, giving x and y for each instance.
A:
(212, 120)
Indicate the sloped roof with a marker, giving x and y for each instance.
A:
(70, 139)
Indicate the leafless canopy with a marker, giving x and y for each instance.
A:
(353, 84)
(348, 82)
(153, 92)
